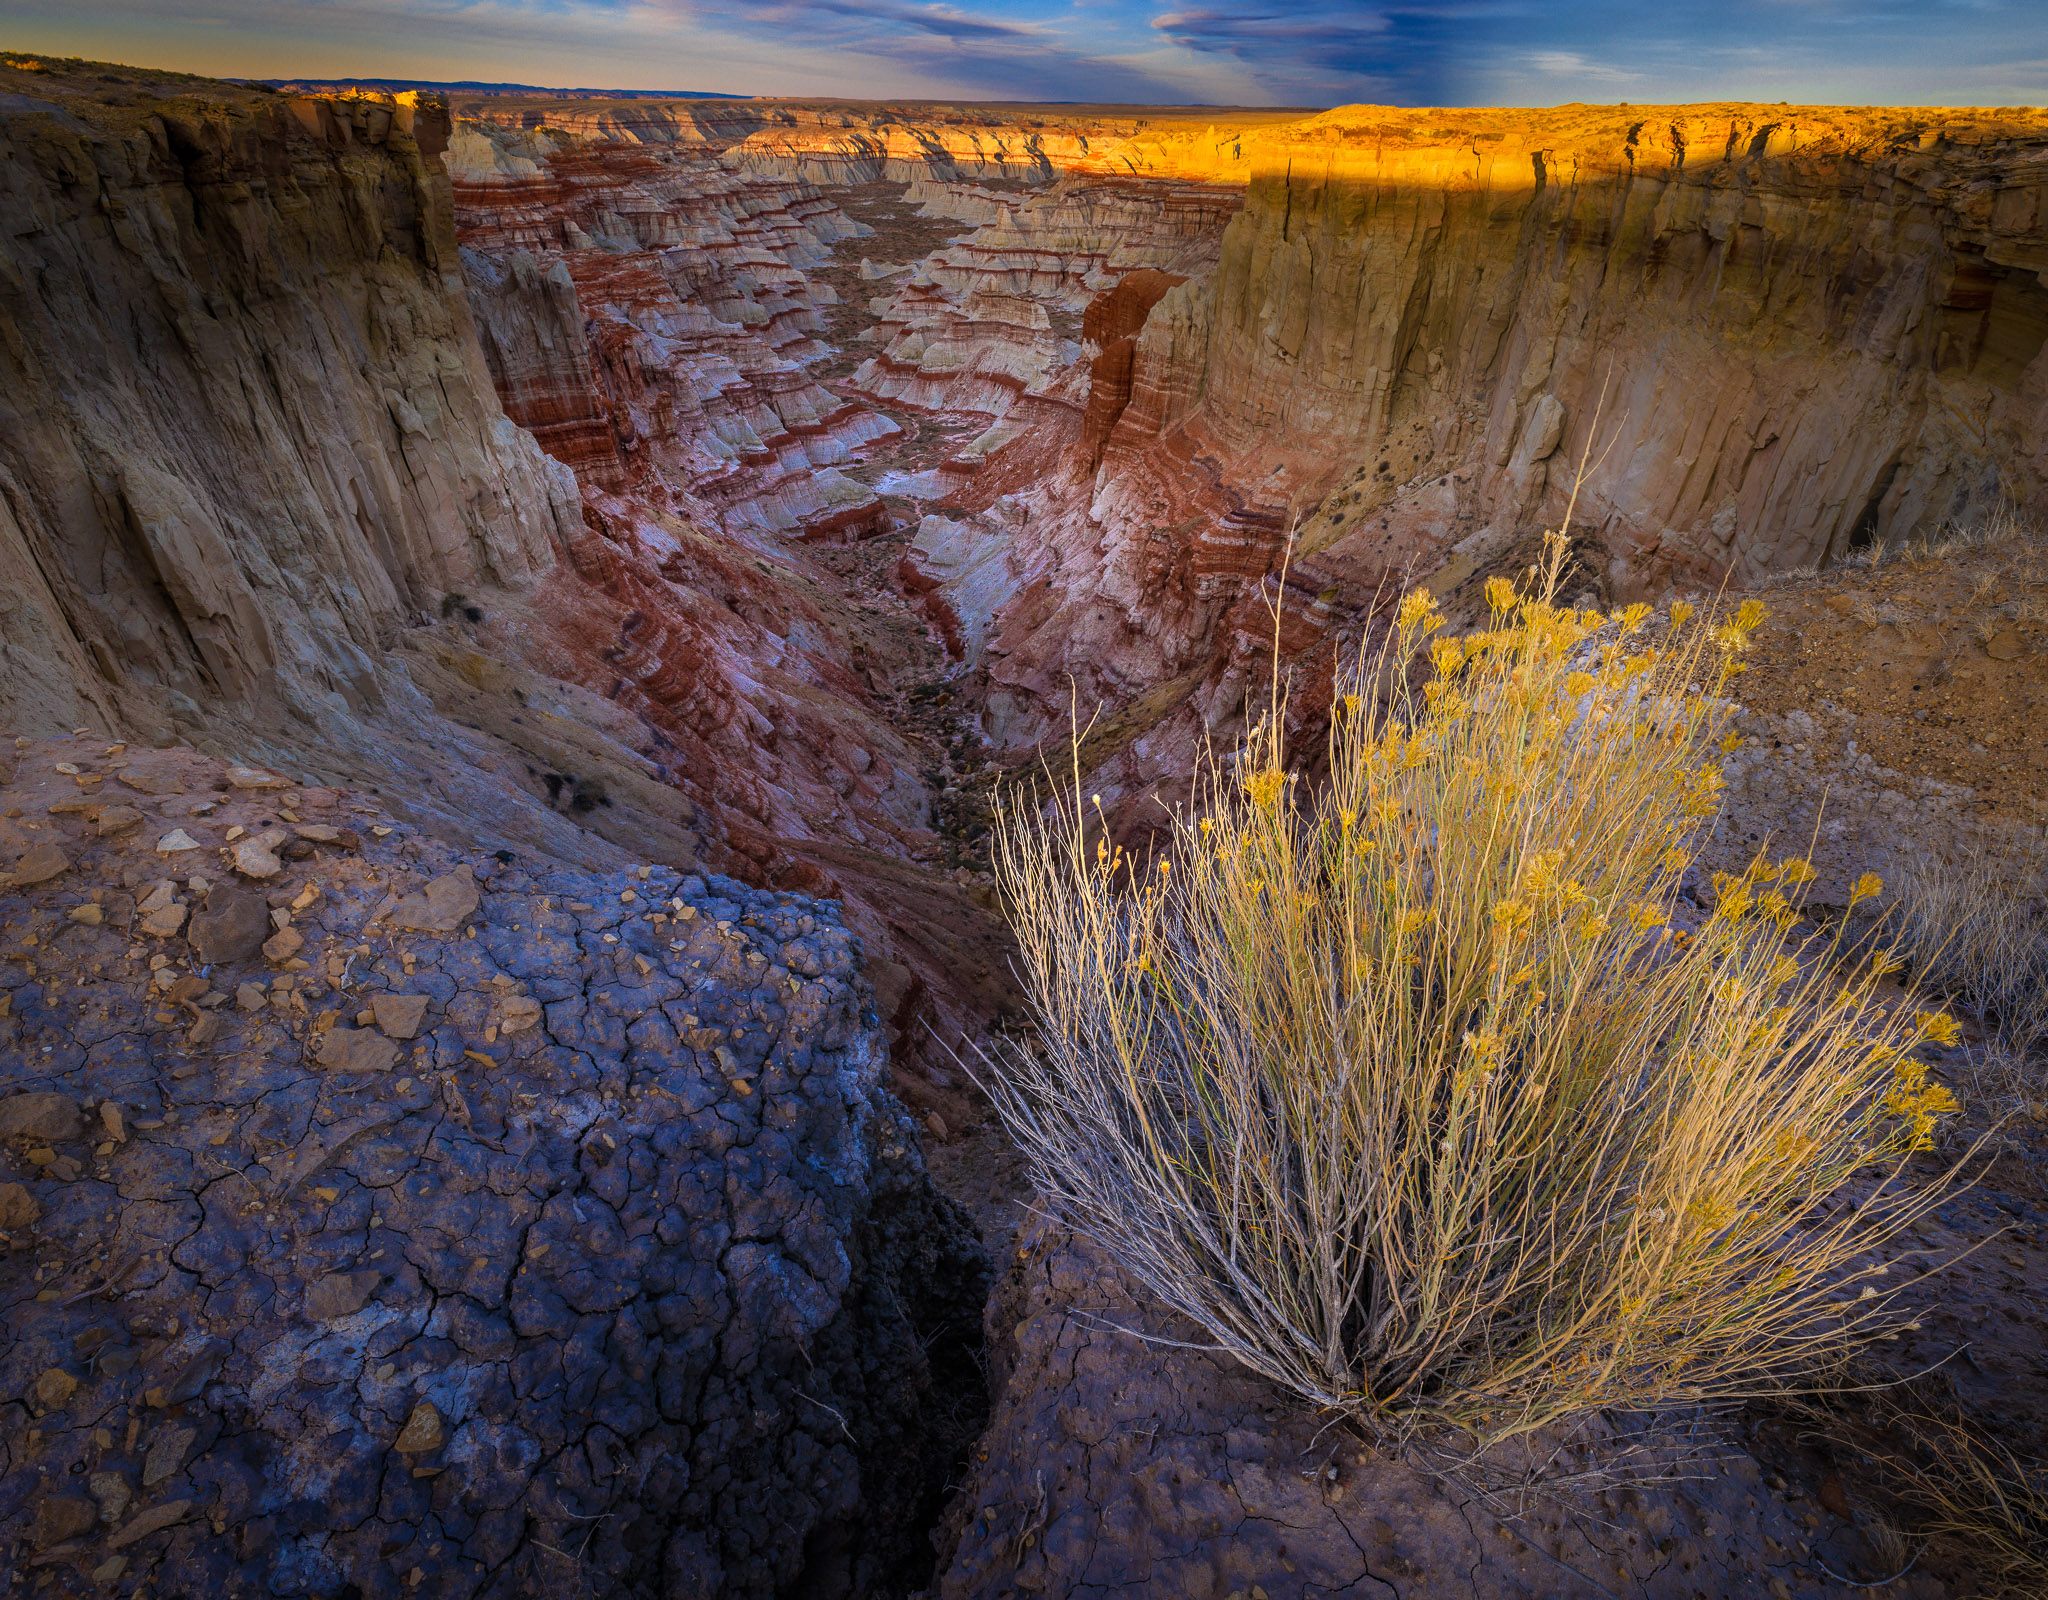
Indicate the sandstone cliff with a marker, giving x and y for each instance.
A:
(258, 491)
(246, 431)
(1813, 329)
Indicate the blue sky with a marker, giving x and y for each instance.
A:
(1245, 52)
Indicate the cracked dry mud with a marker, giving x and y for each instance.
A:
(488, 1232)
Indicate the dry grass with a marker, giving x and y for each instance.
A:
(1947, 1479)
(1968, 1488)
(1408, 1090)
(1977, 928)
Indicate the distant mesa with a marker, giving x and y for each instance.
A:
(469, 86)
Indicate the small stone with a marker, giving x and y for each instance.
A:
(108, 1572)
(90, 915)
(231, 928)
(341, 1294)
(60, 1517)
(151, 775)
(2003, 645)
(254, 778)
(160, 895)
(422, 1431)
(118, 819)
(284, 944)
(257, 857)
(41, 1115)
(165, 920)
(154, 1520)
(399, 1015)
(355, 1050)
(520, 1013)
(54, 1387)
(18, 1208)
(110, 1119)
(937, 1124)
(206, 1029)
(111, 1490)
(40, 865)
(249, 996)
(175, 842)
(318, 832)
(166, 1455)
(441, 906)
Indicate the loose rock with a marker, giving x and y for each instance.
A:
(40, 865)
(355, 1050)
(399, 1015)
(257, 857)
(232, 927)
(40, 1115)
(441, 907)
(340, 1294)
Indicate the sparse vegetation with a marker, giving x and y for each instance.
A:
(1422, 1089)
(1948, 1479)
(1977, 928)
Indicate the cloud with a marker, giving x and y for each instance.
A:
(1326, 52)
(1297, 52)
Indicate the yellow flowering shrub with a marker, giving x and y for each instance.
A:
(1422, 1090)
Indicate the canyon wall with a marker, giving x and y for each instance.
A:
(259, 492)
(246, 431)
(1800, 331)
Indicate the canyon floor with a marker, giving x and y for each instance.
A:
(494, 900)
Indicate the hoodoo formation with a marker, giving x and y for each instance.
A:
(514, 612)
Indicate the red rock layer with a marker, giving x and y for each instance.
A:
(661, 298)
(1112, 323)
(1401, 350)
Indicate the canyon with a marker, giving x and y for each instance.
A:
(743, 491)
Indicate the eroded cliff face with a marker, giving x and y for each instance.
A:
(1801, 331)
(245, 427)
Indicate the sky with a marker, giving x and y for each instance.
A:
(1213, 52)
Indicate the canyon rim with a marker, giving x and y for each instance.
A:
(516, 610)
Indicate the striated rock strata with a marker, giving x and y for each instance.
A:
(1812, 329)
(245, 427)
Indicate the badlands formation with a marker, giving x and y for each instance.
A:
(511, 616)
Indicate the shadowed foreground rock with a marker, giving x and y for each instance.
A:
(486, 1233)
(1118, 1468)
